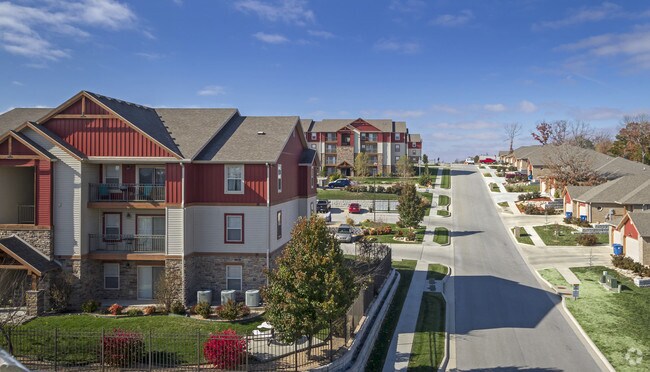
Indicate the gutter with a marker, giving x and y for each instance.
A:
(268, 220)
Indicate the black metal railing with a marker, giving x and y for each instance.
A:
(126, 192)
(25, 214)
(127, 243)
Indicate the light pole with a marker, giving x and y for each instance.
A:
(374, 195)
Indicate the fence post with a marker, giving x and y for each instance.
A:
(102, 353)
(150, 349)
(198, 350)
(56, 349)
(295, 353)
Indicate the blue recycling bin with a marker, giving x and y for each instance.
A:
(583, 218)
(568, 214)
(618, 249)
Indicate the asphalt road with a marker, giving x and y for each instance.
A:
(504, 319)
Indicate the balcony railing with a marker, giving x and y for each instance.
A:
(127, 243)
(126, 192)
(26, 214)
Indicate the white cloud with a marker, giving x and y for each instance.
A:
(393, 45)
(584, 15)
(527, 106)
(495, 107)
(320, 33)
(289, 11)
(211, 90)
(17, 83)
(452, 20)
(399, 114)
(28, 30)
(407, 6)
(149, 56)
(445, 108)
(270, 38)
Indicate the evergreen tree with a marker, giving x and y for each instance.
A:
(411, 207)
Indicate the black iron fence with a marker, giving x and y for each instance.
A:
(126, 192)
(127, 243)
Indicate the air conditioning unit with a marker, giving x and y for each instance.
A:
(253, 298)
(204, 296)
(227, 295)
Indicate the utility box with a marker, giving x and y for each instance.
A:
(227, 295)
(253, 298)
(204, 296)
(613, 283)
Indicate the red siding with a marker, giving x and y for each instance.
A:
(43, 209)
(174, 183)
(365, 127)
(94, 109)
(105, 137)
(73, 109)
(567, 198)
(630, 230)
(290, 173)
(418, 145)
(17, 148)
(304, 187)
(387, 137)
(204, 183)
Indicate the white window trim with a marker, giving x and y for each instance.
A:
(105, 167)
(278, 225)
(241, 277)
(279, 178)
(398, 136)
(314, 136)
(241, 229)
(137, 171)
(118, 275)
(225, 178)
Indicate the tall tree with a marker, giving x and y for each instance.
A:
(411, 207)
(512, 131)
(311, 286)
(571, 166)
(361, 165)
(633, 139)
(404, 166)
(544, 132)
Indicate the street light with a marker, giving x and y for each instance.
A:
(374, 195)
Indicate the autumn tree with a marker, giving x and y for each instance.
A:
(405, 166)
(311, 286)
(544, 133)
(560, 132)
(633, 139)
(571, 166)
(361, 165)
(411, 207)
(512, 130)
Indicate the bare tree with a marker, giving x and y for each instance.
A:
(571, 165)
(560, 132)
(512, 131)
(13, 284)
(166, 292)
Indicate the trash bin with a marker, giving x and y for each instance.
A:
(618, 249)
(583, 218)
(568, 214)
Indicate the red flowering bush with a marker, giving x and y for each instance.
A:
(225, 350)
(115, 309)
(122, 348)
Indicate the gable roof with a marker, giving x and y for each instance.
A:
(307, 157)
(615, 190)
(306, 124)
(576, 192)
(240, 140)
(383, 125)
(20, 137)
(27, 255)
(414, 138)
(641, 221)
(14, 118)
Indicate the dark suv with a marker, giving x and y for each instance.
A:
(341, 182)
(323, 206)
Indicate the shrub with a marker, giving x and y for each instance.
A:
(148, 310)
(232, 310)
(90, 306)
(410, 235)
(532, 210)
(203, 309)
(225, 350)
(627, 263)
(115, 309)
(350, 221)
(587, 239)
(122, 348)
(335, 176)
(387, 229)
(134, 312)
(60, 290)
(178, 308)
(399, 233)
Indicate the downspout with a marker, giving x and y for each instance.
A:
(268, 220)
(184, 281)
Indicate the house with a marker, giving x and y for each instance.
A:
(119, 194)
(571, 207)
(633, 233)
(338, 141)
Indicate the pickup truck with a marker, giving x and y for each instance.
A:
(323, 206)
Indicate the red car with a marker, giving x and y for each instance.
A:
(354, 208)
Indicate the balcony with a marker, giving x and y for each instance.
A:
(127, 243)
(26, 214)
(331, 137)
(105, 192)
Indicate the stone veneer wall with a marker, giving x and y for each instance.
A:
(345, 153)
(37, 238)
(174, 269)
(88, 279)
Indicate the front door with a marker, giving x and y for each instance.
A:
(148, 277)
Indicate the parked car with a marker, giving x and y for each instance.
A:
(354, 208)
(344, 234)
(469, 161)
(323, 206)
(327, 216)
(340, 183)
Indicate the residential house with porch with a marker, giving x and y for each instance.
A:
(118, 193)
(338, 141)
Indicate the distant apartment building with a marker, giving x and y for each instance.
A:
(338, 141)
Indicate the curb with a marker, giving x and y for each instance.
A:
(445, 359)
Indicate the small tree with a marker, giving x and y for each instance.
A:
(361, 164)
(12, 296)
(411, 207)
(405, 166)
(311, 286)
(166, 292)
(512, 131)
(425, 161)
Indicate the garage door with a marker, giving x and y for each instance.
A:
(632, 249)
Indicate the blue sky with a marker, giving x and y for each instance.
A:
(456, 71)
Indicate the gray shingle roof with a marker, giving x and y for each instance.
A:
(191, 129)
(642, 222)
(640, 195)
(306, 124)
(615, 190)
(384, 125)
(239, 141)
(414, 138)
(12, 119)
(575, 192)
(29, 254)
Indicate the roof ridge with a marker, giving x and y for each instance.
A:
(121, 101)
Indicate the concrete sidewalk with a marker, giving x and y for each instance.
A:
(568, 275)
(537, 240)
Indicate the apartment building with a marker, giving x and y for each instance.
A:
(338, 141)
(118, 193)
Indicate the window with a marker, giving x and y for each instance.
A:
(151, 176)
(279, 224)
(111, 276)
(234, 179)
(314, 136)
(372, 137)
(397, 136)
(414, 152)
(397, 148)
(112, 226)
(234, 228)
(414, 144)
(311, 207)
(279, 177)
(313, 146)
(313, 176)
(234, 277)
(396, 159)
(113, 174)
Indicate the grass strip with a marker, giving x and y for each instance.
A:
(565, 235)
(445, 183)
(503, 204)
(487, 174)
(443, 213)
(494, 187)
(444, 200)
(441, 235)
(429, 338)
(377, 357)
(523, 237)
(437, 271)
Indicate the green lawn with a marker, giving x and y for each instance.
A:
(388, 238)
(503, 204)
(443, 212)
(429, 339)
(446, 178)
(444, 200)
(615, 322)
(378, 354)
(441, 235)
(494, 187)
(437, 271)
(565, 236)
(524, 237)
(522, 188)
(487, 174)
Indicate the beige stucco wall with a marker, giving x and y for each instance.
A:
(17, 189)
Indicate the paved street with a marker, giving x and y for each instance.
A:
(503, 317)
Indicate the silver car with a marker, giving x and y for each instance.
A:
(344, 234)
